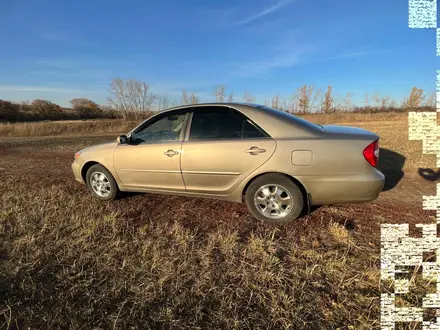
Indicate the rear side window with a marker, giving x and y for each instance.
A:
(222, 124)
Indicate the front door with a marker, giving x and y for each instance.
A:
(222, 149)
(151, 161)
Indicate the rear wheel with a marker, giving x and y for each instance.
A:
(101, 183)
(274, 198)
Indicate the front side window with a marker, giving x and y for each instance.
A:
(164, 129)
(222, 124)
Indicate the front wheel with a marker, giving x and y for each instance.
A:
(274, 198)
(101, 183)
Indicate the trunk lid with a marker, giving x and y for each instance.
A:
(354, 132)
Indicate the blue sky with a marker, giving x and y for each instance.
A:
(58, 50)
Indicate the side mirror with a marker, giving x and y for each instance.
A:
(122, 139)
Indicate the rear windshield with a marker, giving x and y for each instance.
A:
(288, 116)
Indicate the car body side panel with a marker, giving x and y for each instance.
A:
(102, 154)
(146, 166)
(338, 172)
(218, 167)
(329, 157)
(337, 189)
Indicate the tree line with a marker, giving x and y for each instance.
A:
(38, 110)
(133, 99)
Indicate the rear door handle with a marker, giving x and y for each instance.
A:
(170, 153)
(255, 150)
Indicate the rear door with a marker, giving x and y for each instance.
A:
(221, 149)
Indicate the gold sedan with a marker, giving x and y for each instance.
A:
(275, 162)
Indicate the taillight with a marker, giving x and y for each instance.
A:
(371, 153)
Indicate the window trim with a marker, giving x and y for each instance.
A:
(157, 117)
(188, 126)
(262, 131)
(201, 109)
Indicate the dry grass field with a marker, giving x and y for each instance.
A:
(152, 261)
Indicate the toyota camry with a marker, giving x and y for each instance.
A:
(277, 163)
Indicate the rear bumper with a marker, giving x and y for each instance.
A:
(344, 188)
(76, 169)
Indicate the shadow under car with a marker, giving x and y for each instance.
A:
(391, 165)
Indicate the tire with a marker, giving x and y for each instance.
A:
(98, 177)
(279, 208)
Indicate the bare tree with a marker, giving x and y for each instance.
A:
(194, 99)
(295, 100)
(415, 98)
(367, 100)
(86, 108)
(327, 104)
(276, 102)
(231, 97)
(83, 102)
(338, 103)
(376, 99)
(317, 99)
(385, 102)
(8, 111)
(220, 93)
(106, 107)
(348, 102)
(174, 103)
(185, 98)
(117, 90)
(304, 98)
(131, 96)
(248, 98)
(45, 108)
(431, 100)
(188, 98)
(139, 96)
(163, 102)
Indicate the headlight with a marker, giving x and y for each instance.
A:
(77, 154)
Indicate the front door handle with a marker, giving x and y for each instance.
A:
(170, 153)
(255, 150)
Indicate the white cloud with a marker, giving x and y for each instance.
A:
(351, 54)
(284, 56)
(264, 12)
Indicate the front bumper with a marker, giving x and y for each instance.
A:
(76, 169)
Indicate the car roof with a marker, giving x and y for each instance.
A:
(214, 104)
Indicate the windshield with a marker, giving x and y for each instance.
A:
(289, 116)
